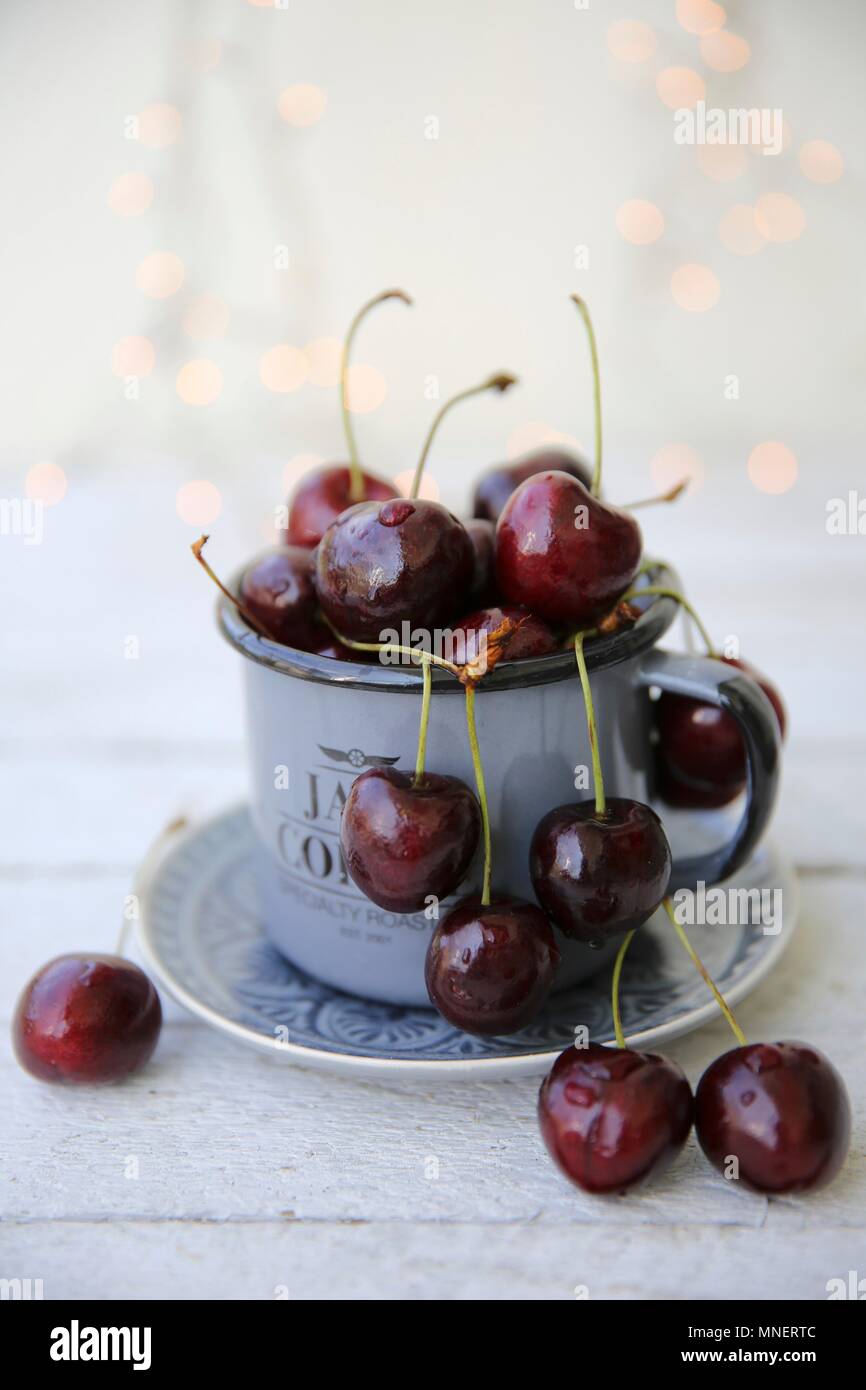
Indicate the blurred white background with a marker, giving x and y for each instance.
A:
(196, 193)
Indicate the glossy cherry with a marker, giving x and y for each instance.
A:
(496, 485)
(532, 636)
(600, 875)
(781, 1110)
(482, 588)
(489, 968)
(322, 496)
(701, 754)
(381, 564)
(277, 589)
(611, 1117)
(564, 553)
(405, 839)
(85, 1019)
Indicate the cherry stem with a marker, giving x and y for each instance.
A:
(670, 496)
(596, 390)
(196, 548)
(417, 656)
(704, 973)
(680, 599)
(482, 792)
(500, 382)
(592, 728)
(614, 989)
(357, 491)
(425, 719)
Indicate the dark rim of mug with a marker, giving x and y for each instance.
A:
(508, 675)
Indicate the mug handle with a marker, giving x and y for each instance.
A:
(702, 678)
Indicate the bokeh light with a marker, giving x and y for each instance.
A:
(536, 434)
(366, 389)
(631, 41)
(198, 503)
(324, 356)
(725, 52)
(160, 274)
(133, 356)
(722, 162)
(700, 16)
(199, 382)
(283, 368)
(159, 125)
(772, 467)
(673, 462)
(821, 162)
(46, 483)
(429, 487)
(779, 216)
(680, 87)
(640, 222)
(206, 318)
(695, 288)
(130, 195)
(302, 104)
(739, 230)
(206, 55)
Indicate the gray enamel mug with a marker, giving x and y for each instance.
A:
(314, 723)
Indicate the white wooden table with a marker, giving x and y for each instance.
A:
(219, 1173)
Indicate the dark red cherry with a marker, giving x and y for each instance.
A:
(598, 876)
(781, 1110)
(321, 496)
(532, 636)
(564, 553)
(489, 969)
(382, 564)
(701, 752)
(482, 588)
(496, 485)
(404, 842)
(86, 1018)
(277, 589)
(611, 1117)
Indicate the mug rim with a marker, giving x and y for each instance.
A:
(605, 651)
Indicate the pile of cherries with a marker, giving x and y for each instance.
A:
(544, 564)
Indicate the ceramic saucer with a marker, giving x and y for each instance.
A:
(200, 934)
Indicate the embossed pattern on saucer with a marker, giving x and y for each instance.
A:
(201, 936)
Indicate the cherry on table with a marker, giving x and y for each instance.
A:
(380, 564)
(780, 1110)
(496, 485)
(562, 552)
(489, 968)
(599, 875)
(406, 838)
(610, 1117)
(86, 1018)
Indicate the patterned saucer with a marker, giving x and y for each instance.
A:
(200, 933)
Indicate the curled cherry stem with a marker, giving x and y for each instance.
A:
(425, 719)
(705, 975)
(592, 728)
(501, 381)
(197, 547)
(614, 989)
(356, 476)
(482, 792)
(681, 599)
(596, 389)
